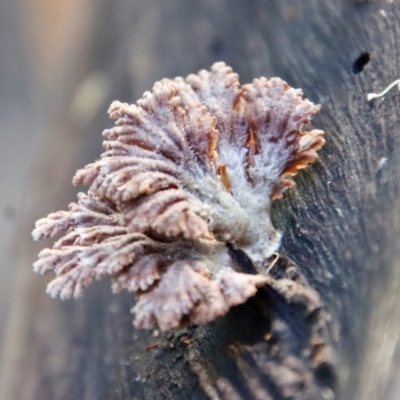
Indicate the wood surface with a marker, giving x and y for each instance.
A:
(340, 224)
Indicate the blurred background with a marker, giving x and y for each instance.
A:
(61, 64)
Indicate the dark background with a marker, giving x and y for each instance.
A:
(62, 63)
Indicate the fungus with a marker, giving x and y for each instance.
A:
(189, 168)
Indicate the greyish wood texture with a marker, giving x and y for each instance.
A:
(341, 223)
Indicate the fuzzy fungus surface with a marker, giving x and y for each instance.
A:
(192, 166)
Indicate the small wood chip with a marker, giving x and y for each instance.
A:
(151, 345)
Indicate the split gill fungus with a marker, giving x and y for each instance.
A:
(192, 166)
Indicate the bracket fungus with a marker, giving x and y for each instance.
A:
(189, 168)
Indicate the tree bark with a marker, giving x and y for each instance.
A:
(340, 224)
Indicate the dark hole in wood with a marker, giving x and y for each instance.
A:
(361, 61)
(241, 259)
(326, 376)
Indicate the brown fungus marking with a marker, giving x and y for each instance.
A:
(223, 173)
